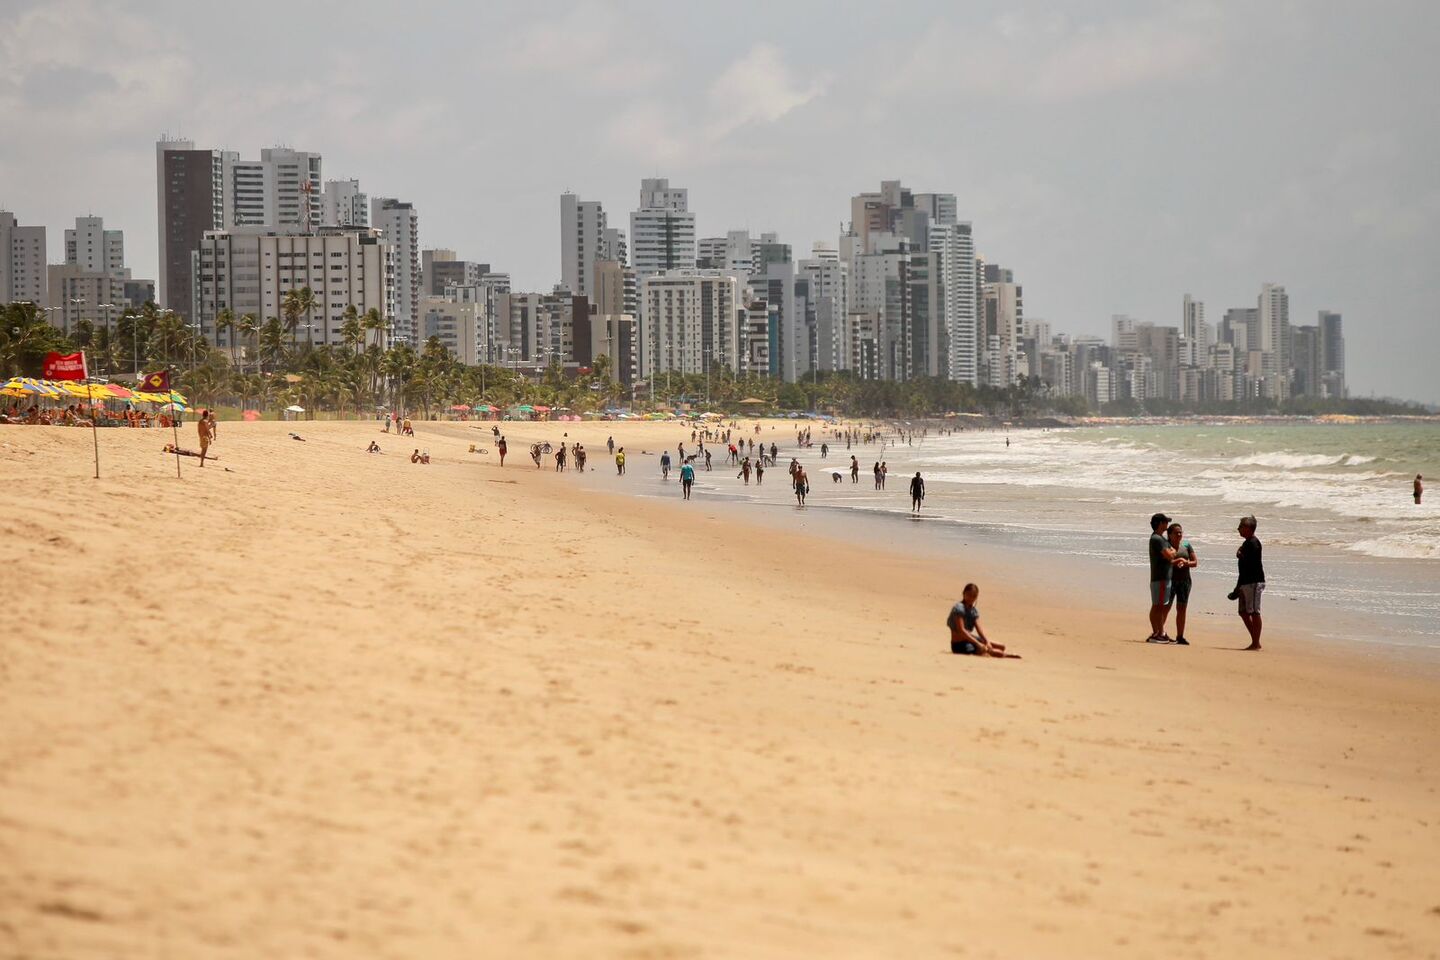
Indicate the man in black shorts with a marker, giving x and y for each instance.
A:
(917, 492)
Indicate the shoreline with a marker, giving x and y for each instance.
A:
(365, 707)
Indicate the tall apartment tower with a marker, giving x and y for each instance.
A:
(342, 204)
(280, 190)
(1332, 352)
(191, 198)
(93, 249)
(400, 226)
(582, 242)
(22, 261)
(954, 242)
(662, 229)
(1274, 319)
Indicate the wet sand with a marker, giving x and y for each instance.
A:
(336, 704)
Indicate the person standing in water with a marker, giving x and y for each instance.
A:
(854, 470)
(664, 465)
(802, 484)
(1419, 489)
(917, 492)
(687, 478)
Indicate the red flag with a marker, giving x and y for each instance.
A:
(157, 382)
(65, 366)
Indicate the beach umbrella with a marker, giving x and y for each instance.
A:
(294, 408)
(459, 406)
(541, 408)
(25, 386)
(751, 401)
(118, 392)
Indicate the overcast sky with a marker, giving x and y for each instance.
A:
(1115, 155)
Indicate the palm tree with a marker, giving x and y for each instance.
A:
(295, 304)
(272, 342)
(375, 322)
(225, 323)
(352, 330)
(248, 327)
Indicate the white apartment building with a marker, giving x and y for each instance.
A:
(343, 204)
(1274, 320)
(955, 244)
(582, 242)
(93, 249)
(282, 189)
(879, 287)
(399, 224)
(693, 321)
(662, 230)
(249, 271)
(828, 282)
(76, 295)
(22, 261)
(463, 320)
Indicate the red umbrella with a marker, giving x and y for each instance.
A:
(118, 392)
(459, 406)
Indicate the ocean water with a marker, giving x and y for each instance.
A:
(1347, 552)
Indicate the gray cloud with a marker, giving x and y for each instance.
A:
(1117, 155)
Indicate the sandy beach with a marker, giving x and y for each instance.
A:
(310, 702)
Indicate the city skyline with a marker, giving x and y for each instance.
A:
(1336, 207)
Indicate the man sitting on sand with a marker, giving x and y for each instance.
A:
(373, 448)
(967, 636)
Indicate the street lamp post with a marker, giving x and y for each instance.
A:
(75, 301)
(107, 307)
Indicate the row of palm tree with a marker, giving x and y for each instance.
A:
(266, 365)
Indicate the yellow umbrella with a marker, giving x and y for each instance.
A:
(30, 387)
(97, 390)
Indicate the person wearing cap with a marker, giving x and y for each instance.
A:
(1162, 564)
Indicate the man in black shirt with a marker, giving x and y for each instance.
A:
(1250, 585)
(917, 492)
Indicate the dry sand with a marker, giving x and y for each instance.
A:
(327, 704)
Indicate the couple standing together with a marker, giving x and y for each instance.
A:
(1171, 560)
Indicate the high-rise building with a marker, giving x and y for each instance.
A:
(1004, 324)
(191, 199)
(247, 270)
(1274, 320)
(582, 242)
(94, 249)
(1332, 352)
(662, 229)
(76, 295)
(342, 204)
(693, 319)
(399, 224)
(827, 280)
(282, 189)
(954, 243)
(22, 262)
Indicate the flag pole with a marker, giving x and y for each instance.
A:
(94, 430)
(174, 420)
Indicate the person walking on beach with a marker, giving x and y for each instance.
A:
(917, 492)
(580, 457)
(802, 484)
(877, 474)
(206, 428)
(620, 462)
(759, 471)
(1185, 561)
(560, 459)
(707, 460)
(967, 636)
(1250, 584)
(854, 470)
(824, 450)
(687, 478)
(745, 471)
(664, 465)
(610, 445)
(535, 454)
(884, 473)
(503, 449)
(1419, 488)
(1162, 566)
